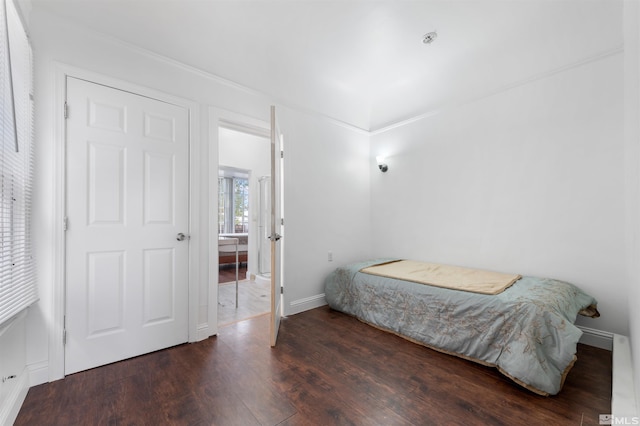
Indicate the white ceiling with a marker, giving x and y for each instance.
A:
(362, 62)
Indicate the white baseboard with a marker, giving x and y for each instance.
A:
(11, 405)
(599, 339)
(38, 373)
(623, 393)
(203, 332)
(301, 305)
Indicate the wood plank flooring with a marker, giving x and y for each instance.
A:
(227, 273)
(327, 369)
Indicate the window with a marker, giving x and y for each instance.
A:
(17, 272)
(233, 202)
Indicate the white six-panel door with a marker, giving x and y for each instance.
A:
(127, 203)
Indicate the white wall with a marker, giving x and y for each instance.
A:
(59, 42)
(326, 170)
(528, 180)
(632, 174)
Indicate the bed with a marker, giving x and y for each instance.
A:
(526, 330)
(227, 252)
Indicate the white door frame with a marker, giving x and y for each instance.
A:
(219, 117)
(62, 71)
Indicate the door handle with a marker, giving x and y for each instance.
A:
(274, 237)
(181, 237)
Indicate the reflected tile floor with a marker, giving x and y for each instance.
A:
(254, 298)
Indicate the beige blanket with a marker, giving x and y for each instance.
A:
(452, 277)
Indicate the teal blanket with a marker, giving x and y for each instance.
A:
(527, 331)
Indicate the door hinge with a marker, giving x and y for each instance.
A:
(65, 223)
(66, 110)
(281, 154)
(282, 221)
(281, 290)
(64, 330)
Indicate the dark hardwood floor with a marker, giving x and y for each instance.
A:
(327, 369)
(227, 272)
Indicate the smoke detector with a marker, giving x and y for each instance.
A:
(429, 38)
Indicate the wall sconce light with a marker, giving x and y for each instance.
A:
(381, 164)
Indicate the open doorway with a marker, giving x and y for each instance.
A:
(243, 212)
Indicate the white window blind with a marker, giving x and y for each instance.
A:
(17, 272)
